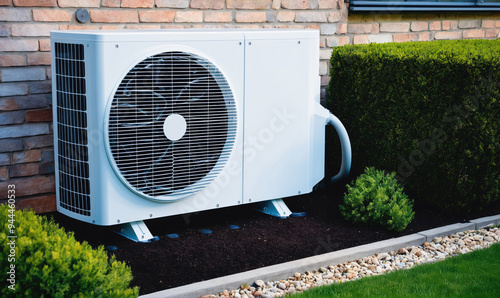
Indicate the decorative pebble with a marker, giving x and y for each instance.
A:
(206, 231)
(234, 227)
(406, 257)
(173, 236)
(298, 214)
(260, 283)
(111, 248)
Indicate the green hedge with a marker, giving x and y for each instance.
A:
(45, 261)
(428, 111)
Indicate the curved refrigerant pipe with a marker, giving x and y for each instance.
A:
(345, 145)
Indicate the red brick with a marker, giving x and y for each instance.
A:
(16, 117)
(33, 29)
(46, 15)
(39, 58)
(44, 115)
(285, 16)
(39, 141)
(361, 39)
(142, 27)
(207, 4)
(359, 28)
(40, 204)
(424, 36)
(26, 156)
(29, 186)
(5, 2)
(311, 17)
(44, 45)
(450, 25)
(23, 170)
(340, 4)
(435, 26)
(4, 30)
(468, 24)
(10, 145)
(111, 3)
(448, 35)
(492, 33)
(250, 17)
(473, 33)
(111, 27)
(295, 4)
(113, 16)
(79, 3)
(419, 26)
(4, 173)
(34, 3)
(189, 17)
(12, 60)
(218, 16)
(276, 4)
(488, 23)
(165, 16)
(404, 37)
(342, 28)
(40, 87)
(10, 89)
(327, 4)
(23, 102)
(311, 26)
(334, 16)
(4, 158)
(19, 74)
(375, 28)
(248, 4)
(15, 15)
(395, 27)
(138, 3)
(78, 27)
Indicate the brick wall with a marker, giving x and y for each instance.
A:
(26, 145)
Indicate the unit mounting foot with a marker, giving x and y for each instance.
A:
(136, 231)
(276, 208)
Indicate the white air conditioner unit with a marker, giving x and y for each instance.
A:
(150, 124)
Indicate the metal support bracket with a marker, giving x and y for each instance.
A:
(136, 231)
(276, 208)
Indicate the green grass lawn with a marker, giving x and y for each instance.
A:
(476, 274)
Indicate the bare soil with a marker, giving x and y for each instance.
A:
(260, 241)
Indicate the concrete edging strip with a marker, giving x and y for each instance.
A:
(284, 270)
(486, 221)
(447, 230)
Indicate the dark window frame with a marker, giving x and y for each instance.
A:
(416, 5)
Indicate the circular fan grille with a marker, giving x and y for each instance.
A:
(172, 125)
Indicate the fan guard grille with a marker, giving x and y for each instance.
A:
(166, 84)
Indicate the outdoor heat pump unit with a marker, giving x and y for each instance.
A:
(150, 124)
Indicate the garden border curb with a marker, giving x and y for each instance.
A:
(284, 270)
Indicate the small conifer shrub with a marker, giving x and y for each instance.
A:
(377, 199)
(42, 260)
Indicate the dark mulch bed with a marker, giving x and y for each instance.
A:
(261, 240)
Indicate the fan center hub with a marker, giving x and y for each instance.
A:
(174, 127)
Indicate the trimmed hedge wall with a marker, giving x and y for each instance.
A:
(430, 111)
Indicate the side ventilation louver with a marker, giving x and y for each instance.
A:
(74, 187)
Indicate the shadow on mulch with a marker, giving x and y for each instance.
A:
(260, 241)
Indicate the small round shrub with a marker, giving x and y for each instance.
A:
(377, 199)
(48, 262)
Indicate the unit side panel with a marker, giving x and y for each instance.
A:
(277, 118)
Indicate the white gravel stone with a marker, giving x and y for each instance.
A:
(404, 258)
